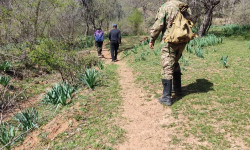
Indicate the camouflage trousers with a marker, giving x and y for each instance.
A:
(170, 55)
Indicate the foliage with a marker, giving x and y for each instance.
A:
(199, 52)
(48, 53)
(7, 134)
(195, 46)
(28, 119)
(235, 29)
(4, 80)
(224, 60)
(59, 94)
(90, 77)
(90, 60)
(100, 64)
(5, 66)
(136, 19)
(84, 42)
(135, 49)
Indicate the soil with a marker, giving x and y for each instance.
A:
(143, 120)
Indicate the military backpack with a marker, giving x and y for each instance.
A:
(181, 30)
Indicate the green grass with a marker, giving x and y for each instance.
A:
(216, 99)
(96, 117)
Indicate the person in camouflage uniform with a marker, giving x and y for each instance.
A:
(170, 53)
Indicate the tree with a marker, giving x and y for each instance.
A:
(136, 19)
(209, 6)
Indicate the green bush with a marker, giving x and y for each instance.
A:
(4, 80)
(136, 19)
(84, 42)
(7, 134)
(28, 119)
(47, 53)
(90, 77)
(59, 94)
(90, 60)
(5, 66)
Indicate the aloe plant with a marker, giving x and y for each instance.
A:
(125, 53)
(27, 119)
(4, 80)
(199, 52)
(5, 66)
(90, 77)
(135, 49)
(100, 65)
(59, 94)
(7, 134)
(224, 60)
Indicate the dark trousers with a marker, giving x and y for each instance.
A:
(114, 45)
(99, 47)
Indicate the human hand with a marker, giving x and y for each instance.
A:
(151, 45)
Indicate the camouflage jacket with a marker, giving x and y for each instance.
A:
(165, 18)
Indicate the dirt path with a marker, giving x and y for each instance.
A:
(144, 121)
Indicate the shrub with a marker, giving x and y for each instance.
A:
(84, 42)
(90, 60)
(136, 20)
(7, 134)
(59, 94)
(27, 119)
(4, 80)
(90, 77)
(47, 53)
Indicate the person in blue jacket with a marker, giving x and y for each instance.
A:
(99, 38)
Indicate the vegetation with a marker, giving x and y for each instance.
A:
(7, 134)
(224, 60)
(90, 77)
(96, 114)
(136, 19)
(5, 66)
(59, 94)
(4, 80)
(235, 30)
(47, 42)
(27, 119)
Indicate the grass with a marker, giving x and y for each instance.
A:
(216, 99)
(96, 116)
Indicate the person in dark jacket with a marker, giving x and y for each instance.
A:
(99, 38)
(115, 41)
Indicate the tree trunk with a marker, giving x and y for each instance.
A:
(87, 29)
(209, 6)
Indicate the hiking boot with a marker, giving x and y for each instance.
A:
(177, 83)
(167, 88)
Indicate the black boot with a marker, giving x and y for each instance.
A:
(167, 88)
(177, 83)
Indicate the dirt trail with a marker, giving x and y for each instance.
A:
(144, 120)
